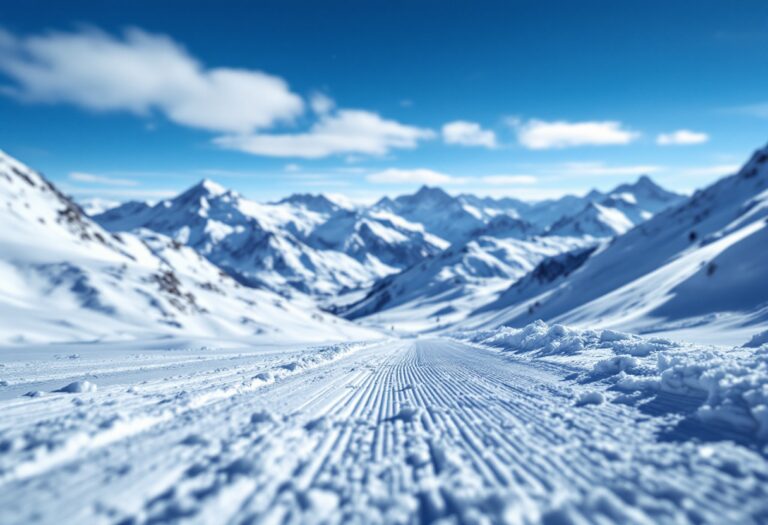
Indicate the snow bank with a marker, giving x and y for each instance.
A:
(736, 387)
(540, 339)
(731, 384)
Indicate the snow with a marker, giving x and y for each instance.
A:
(730, 384)
(420, 430)
(78, 387)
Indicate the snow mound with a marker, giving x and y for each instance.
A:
(590, 398)
(728, 386)
(79, 387)
(540, 339)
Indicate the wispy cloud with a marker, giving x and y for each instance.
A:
(465, 133)
(146, 74)
(121, 193)
(717, 170)
(601, 169)
(541, 135)
(411, 176)
(505, 180)
(346, 131)
(99, 179)
(321, 103)
(428, 176)
(141, 72)
(759, 110)
(681, 137)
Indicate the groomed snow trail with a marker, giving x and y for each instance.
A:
(409, 431)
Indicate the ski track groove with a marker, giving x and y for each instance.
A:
(486, 429)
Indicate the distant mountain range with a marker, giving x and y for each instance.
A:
(319, 246)
(210, 261)
(697, 268)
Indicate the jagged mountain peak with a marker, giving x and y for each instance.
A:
(317, 202)
(431, 193)
(205, 188)
(645, 187)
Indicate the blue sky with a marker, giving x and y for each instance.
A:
(532, 99)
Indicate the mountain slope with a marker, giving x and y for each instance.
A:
(445, 288)
(65, 278)
(306, 242)
(595, 220)
(697, 267)
(441, 215)
(613, 213)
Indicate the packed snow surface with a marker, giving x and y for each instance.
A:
(543, 424)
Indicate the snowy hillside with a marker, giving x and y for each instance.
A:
(607, 214)
(443, 289)
(65, 278)
(595, 220)
(695, 269)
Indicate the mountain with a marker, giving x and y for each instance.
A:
(318, 203)
(445, 288)
(96, 206)
(598, 214)
(66, 278)
(696, 268)
(608, 214)
(305, 243)
(440, 214)
(595, 220)
(503, 247)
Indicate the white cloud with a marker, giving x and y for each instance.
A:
(718, 170)
(120, 193)
(754, 110)
(599, 169)
(538, 134)
(428, 176)
(321, 103)
(412, 176)
(468, 134)
(504, 180)
(345, 131)
(99, 179)
(681, 137)
(292, 168)
(140, 73)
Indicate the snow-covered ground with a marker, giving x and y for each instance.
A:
(540, 425)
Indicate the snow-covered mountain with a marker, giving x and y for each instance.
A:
(66, 278)
(596, 220)
(608, 214)
(308, 243)
(697, 268)
(502, 247)
(96, 205)
(348, 256)
(442, 215)
(597, 214)
(445, 288)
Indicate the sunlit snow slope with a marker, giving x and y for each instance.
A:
(697, 269)
(65, 278)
